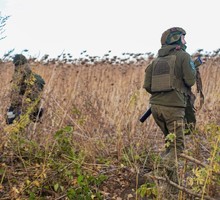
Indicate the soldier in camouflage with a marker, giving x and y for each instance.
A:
(26, 91)
(169, 79)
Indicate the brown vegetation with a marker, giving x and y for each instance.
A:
(102, 103)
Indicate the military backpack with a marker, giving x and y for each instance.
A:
(39, 81)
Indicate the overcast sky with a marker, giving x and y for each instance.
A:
(134, 26)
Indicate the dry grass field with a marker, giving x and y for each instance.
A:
(98, 106)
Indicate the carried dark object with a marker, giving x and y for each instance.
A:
(145, 115)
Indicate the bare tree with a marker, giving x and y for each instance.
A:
(3, 20)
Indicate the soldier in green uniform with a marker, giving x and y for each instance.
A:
(169, 79)
(26, 91)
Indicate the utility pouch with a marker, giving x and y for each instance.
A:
(163, 74)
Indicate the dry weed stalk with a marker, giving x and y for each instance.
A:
(102, 104)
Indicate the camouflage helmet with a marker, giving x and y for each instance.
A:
(19, 59)
(172, 35)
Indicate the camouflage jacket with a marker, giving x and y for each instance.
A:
(24, 88)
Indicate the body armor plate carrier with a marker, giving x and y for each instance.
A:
(163, 74)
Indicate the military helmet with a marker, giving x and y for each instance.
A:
(19, 59)
(172, 35)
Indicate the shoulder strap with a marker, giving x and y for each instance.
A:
(199, 87)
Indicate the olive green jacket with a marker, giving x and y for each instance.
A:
(184, 70)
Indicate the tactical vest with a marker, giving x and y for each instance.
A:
(163, 75)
